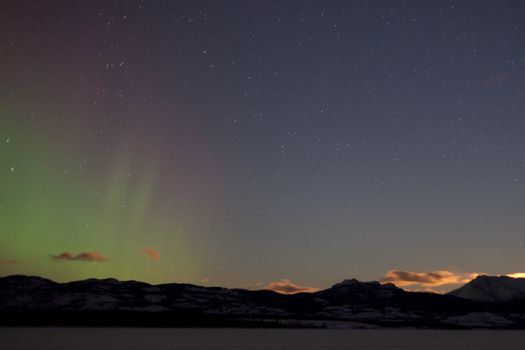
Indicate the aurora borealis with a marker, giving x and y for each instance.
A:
(244, 143)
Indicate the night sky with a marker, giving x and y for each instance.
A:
(239, 143)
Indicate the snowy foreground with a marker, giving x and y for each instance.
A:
(155, 338)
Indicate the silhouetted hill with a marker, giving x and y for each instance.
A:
(492, 289)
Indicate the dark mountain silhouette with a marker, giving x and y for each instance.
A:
(492, 289)
(108, 302)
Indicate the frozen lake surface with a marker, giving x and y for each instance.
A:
(170, 338)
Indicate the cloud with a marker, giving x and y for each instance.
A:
(426, 279)
(517, 275)
(153, 254)
(9, 262)
(285, 286)
(86, 256)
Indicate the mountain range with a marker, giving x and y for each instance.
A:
(485, 302)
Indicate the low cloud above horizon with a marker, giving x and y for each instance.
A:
(285, 286)
(427, 280)
(152, 253)
(85, 256)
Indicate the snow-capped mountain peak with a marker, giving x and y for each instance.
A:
(492, 289)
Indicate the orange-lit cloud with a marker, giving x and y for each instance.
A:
(427, 279)
(8, 262)
(517, 275)
(285, 286)
(86, 256)
(152, 253)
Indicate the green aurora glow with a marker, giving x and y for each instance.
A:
(49, 207)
